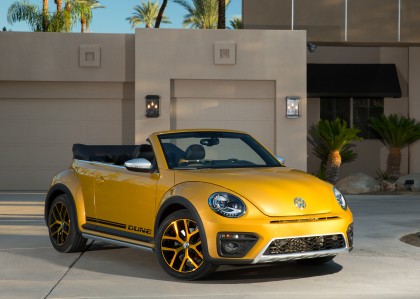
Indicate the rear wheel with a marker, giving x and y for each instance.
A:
(316, 261)
(179, 247)
(62, 226)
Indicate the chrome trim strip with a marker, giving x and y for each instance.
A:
(261, 258)
(119, 243)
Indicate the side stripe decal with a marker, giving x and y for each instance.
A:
(106, 222)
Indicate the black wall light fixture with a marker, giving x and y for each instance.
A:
(292, 107)
(311, 47)
(152, 105)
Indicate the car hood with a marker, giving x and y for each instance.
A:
(271, 190)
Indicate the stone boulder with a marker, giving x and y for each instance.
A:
(358, 183)
(400, 183)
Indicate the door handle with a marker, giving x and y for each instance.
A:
(100, 180)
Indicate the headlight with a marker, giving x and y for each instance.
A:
(227, 205)
(340, 198)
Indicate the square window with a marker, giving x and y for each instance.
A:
(355, 111)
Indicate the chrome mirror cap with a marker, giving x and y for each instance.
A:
(140, 165)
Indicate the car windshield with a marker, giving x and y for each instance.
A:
(193, 150)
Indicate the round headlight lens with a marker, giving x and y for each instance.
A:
(340, 198)
(227, 205)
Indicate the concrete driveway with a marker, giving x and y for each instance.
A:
(380, 266)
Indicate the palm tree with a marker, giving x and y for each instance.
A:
(45, 15)
(160, 14)
(221, 21)
(321, 150)
(38, 19)
(147, 14)
(395, 133)
(334, 137)
(84, 11)
(59, 4)
(236, 23)
(24, 11)
(202, 14)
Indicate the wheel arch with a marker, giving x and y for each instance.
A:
(68, 184)
(177, 203)
(53, 193)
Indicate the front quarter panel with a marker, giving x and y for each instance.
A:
(67, 183)
(197, 194)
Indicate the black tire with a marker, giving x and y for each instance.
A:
(179, 247)
(62, 226)
(316, 261)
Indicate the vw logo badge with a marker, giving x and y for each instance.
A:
(300, 203)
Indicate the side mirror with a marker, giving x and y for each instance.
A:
(281, 160)
(138, 165)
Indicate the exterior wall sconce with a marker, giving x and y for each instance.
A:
(311, 47)
(152, 106)
(292, 107)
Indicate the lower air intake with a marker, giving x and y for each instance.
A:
(306, 244)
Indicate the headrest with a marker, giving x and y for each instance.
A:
(143, 151)
(195, 152)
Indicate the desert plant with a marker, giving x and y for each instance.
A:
(395, 132)
(331, 141)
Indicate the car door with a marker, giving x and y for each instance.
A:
(125, 202)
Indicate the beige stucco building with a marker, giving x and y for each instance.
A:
(352, 34)
(58, 89)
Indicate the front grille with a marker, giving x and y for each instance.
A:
(306, 244)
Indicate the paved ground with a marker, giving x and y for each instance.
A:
(379, 267)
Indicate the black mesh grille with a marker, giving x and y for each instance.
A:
(306, 244)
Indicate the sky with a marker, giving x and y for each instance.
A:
(112, 19)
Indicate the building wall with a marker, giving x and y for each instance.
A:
(58, 89)
(171, 55)
(414, 105)
(362, 21)
(48, 101)
(368, 161)
(355, 31)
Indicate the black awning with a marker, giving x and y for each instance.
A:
(353, 80)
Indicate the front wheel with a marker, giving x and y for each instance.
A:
(179, 247)
(62, 226)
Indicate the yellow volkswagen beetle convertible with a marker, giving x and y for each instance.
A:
(198, 199)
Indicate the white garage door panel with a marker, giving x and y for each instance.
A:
(256, 116)
(36, 136)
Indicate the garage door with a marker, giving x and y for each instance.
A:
(36, 136)
(237, 105)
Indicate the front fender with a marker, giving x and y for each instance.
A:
(67, 183)
(194, 197)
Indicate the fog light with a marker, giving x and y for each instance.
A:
(231, 247)
(235, 244)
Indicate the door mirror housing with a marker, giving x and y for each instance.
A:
(138, 165)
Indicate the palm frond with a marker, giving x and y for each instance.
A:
(146, 13)
(395, 131)
(201, 14)
(236, 23)
(23, 11)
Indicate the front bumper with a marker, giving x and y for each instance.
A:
(283, 241)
